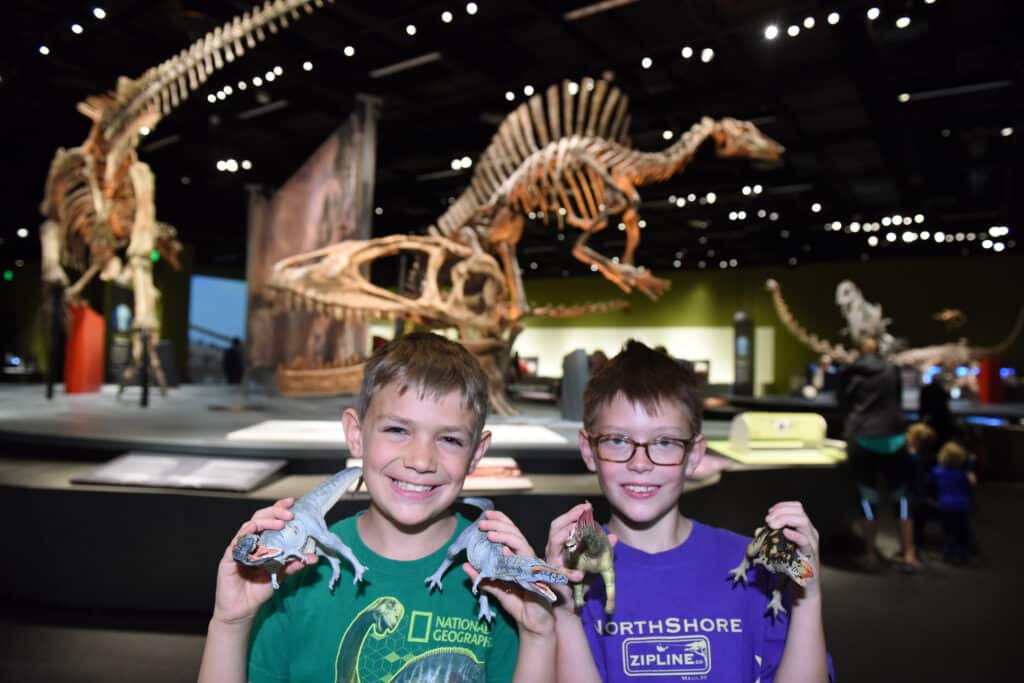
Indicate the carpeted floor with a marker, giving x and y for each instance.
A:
(948, 623)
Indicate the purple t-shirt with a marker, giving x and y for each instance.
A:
(678, 615)
(953, 488)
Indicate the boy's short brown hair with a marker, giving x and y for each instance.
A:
(646, 377)
(952, 454)
(434, 366)
(920, 435)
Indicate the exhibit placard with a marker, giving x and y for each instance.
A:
(182, 471)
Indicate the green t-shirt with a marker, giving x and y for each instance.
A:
(389, 627)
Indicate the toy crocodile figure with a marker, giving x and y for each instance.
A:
(307, 532)
(487, 558)
(780, 556)
(590, 551)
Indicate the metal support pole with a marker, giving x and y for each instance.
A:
(144, 369)
(57, 306)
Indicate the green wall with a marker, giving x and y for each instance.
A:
(986, 288)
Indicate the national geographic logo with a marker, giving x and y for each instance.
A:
(424, 627)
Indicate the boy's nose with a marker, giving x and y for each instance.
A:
(420, 458)
(641, 461)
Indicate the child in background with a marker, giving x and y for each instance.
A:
(921, 442)
(953, 485)
(676, 613)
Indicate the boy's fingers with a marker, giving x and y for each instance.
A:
(570, 517)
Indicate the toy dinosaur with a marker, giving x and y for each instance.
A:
(863, 318)
(490, 561)
(307, 532)
(947, 356)
(589, 550)
(99, 196)
(780, 556)
(459, 288)
(566, 156)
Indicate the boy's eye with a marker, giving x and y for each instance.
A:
(614, 440)
(394, 429)
(453, 441)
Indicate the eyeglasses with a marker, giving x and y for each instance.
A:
(661, 451)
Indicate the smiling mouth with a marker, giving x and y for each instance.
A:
(639, 488)
(412, 488)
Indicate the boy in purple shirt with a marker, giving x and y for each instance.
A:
(953, 485)
(677, 614)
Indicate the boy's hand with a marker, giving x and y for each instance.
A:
(555, 554)
(798, 528)
(241, 589)
(531, 612)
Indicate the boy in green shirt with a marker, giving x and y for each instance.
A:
(418, 428)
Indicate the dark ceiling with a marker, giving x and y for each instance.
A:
(829, 94)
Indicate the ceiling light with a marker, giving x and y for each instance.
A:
(77, 29)
(837, 226)
(742, 215)
(687, 52)
(680, 202)
(257, 81)
(349, 51)
(723, 264)
(746, 189)
(246, 164)
(903, 22)
(666, 135)
(691, 197)
(970, 236)
(771, 32)
(758, 189)
(231, 165)
(228, 90)
(919, 218)
(144, 130)
(873, 13)
(574, 87)
(647, 62)
(410, 29)
(306, 66)
(99, 13)
(527, 90)
(711, 197)
(242, 85)
(873, 241)
(907, 220)
(890, 237)
(1006, 132)
(733, 262)
(761, 213)
(641, 223)
(998, 246)
(808, 23)
(793, 31)
(221, 96)
(702, 264)
(221, 165)
(784, 234)
(903, 97)
(886, 221)
(269, 76)
(466, 162)
(815, 207)
(43, 50)
(986, 244)
(278, 71)
(732, 215)
(707, 54)
(773, 216)
(929, 2)
(509, 95)
(925, 235)
(446, 17)
(940, 237)
(855, 227)
(471, 8)
(22, 232)
(792, 261)
(211, 98)
(833, 18)
(677, 263)
(456, 164)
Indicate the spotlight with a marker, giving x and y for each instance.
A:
(874, 13)
(793, 31)
(833, 18)
(1006, 132)
(410, 29)
(711, 197)
(687, 52)
(246, 165)
(221, 165)
(646, 62)
(349, 51)
(257, 81)
(99, 13)
(809, 23)
(527, 90)
(77, 29)
(903, 97)
(666, 135)
(509, 95)
(471, 8)
(815, 207)
(707, 54)
(306, 66)
(43, 50)
(211, 98)
(446, 17)
(903, 22)
(771, 32)
(22, 232)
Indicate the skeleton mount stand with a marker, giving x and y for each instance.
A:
(144, 357)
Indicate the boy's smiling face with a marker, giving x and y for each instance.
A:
(416, 452)
(640, 492)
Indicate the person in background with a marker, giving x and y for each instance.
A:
(232, 362)
(953, 485)
(870, 394)
(921, 442)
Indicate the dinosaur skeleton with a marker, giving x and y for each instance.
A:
(99, 196)
(461, 288)
(946, 356)
(565, 155)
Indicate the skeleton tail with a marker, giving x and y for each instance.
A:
(812, 341)
(590, 108)
(168, 84)
(556, 311)
(977, 353)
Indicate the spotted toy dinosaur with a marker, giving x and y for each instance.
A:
(589, 550)
(566, 156)
(99, 197)
(780, 556)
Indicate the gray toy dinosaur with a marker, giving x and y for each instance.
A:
(487, 558)
(305, 533)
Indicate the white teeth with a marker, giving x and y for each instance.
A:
(641, 489)
(406, 486)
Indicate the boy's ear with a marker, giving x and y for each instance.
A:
(587, 451)
(483, 443)
(696, 454)
(353, 432)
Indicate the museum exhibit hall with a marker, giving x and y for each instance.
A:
(224, 216)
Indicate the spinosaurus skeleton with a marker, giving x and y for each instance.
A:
(566, 155)
(460, 287)
(99, 196)
(947, 356)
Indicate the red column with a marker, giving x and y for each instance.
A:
(83, 354)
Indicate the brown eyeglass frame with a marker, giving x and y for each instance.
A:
(687, 445)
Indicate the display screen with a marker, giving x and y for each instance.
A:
(216, 310)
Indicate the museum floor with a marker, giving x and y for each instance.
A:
(946, 624)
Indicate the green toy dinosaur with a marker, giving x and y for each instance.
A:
(590, 550)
